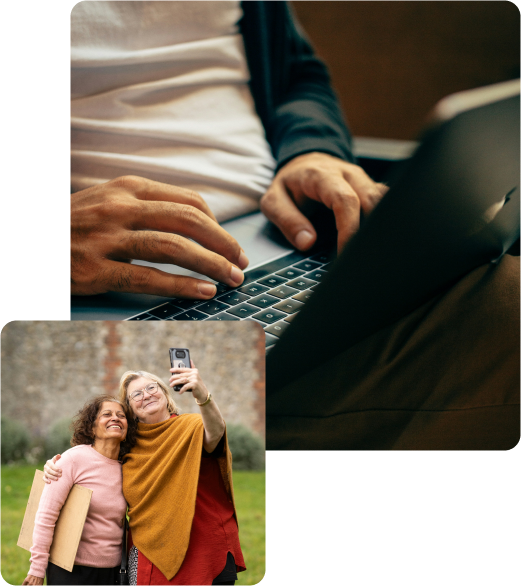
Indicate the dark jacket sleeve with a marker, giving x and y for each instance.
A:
(291, 86)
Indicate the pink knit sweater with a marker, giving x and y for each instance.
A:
(100, 543)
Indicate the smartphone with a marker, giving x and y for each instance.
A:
(180, 358)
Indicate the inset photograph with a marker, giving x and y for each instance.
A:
(133, 453)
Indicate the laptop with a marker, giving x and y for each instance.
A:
(452, 206)
(261, 241)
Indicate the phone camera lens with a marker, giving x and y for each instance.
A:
(180, 354)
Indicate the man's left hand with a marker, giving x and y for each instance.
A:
(343, 187)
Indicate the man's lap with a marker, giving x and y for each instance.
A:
(445, 376)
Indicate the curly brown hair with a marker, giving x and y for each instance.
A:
(82, 425)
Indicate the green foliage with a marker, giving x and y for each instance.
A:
(247, 448)
(59, 438)
(15, 440)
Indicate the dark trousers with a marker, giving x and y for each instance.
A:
(81, 575)
(444, 377)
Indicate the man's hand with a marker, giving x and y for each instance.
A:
(135, 218)
(343, 187)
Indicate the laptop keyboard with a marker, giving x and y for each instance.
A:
(271, 295)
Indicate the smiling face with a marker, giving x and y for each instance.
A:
(153, 407)
(111, 422)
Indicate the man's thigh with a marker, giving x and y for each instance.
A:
(446, 376)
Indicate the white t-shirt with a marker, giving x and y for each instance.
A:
(160, 90)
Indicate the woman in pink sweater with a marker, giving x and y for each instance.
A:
(102, 435)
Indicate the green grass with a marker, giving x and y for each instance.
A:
(249, 490)
(16, 485)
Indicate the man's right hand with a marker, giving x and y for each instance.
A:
(135, 218)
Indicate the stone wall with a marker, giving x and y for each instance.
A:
(49, 369)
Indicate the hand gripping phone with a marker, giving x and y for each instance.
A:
(180, 358)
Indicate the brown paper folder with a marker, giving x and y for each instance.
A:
(69, 525)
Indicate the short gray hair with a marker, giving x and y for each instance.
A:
(131, 375)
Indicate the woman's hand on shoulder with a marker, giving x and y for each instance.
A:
(189, 379)
(32, 580)
(50, 472)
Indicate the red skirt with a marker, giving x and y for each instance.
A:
(214, 533)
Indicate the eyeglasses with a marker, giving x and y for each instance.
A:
(151, 389)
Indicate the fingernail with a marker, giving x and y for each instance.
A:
(304, 239)
(243, 260)
(207, 289)
(236, 275)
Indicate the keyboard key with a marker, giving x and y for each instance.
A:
(301, 283)
(243, 310)
(222, 288)
(291, 272)
(223, 317)
(277, 328)
(289, 306)
(290, 317)
(308, 265)
(212, 307)
(185, 303)
(253, 289)
(140, 317)
(322, 258)
(314, 288)
(303, 296)
(283, 291)
(272, 281)
(165, 311)
(269, 316)
(233, 298)
(317, 275)
(270, 340)
(190, 315)
(272, 267)
(264, 300)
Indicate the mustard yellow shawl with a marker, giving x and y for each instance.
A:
(160, 477)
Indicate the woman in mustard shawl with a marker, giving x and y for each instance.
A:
(177, 481)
